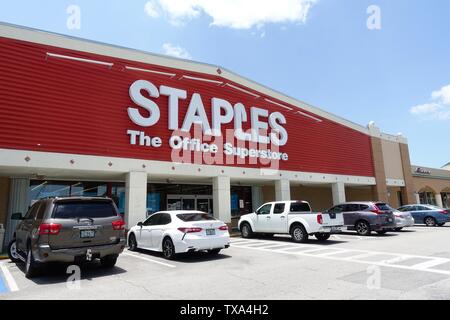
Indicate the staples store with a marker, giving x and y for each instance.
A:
(155, 133)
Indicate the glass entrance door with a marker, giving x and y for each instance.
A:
(189, 202)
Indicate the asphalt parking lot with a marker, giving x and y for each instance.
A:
(413, 264)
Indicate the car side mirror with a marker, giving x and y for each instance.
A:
(140, 224)
(16, 216)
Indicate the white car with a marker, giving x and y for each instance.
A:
(403, 220)
(173, 232)
(291, 217)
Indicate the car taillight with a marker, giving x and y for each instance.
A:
(223, 228)
(377, 211)
(443, 211)
(190, 230)
(118, 225)
(49, 228)
(319, 218)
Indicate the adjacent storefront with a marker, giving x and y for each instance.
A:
(432, 186)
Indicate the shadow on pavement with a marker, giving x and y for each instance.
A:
(53, 273)
(194, 257)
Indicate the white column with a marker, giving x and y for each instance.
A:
(417, 198)
(222, 198)
(439, 201)
(257, 197)
(135, 198)
(338, 190)
(18, 203)
(282, 190)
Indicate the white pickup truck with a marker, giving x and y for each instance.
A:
(291, 217)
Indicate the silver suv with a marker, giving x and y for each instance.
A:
(365, 217)
(70, 230)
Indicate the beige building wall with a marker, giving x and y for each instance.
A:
(320, 198)
(392, 160)
(380, 189)
(268, 193)
(394, 200)
(4, 198)
(360, 194)
(430, 184)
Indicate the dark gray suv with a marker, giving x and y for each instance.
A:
(70, 230)
(365, 217)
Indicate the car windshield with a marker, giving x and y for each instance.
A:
(84, 209)
(191, 217)
(384, 207)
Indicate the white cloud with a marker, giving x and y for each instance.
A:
(442, 95)
(439, 108)
(176, 51)
(237, 14)
(151, 9)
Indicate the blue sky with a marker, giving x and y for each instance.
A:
(397, 76)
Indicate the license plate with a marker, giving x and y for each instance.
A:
(87, 234)
(336, 229)
(210, 232)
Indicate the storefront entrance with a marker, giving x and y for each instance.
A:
(190, 202)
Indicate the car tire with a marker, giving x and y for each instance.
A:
(323, 236)
(31, 266)
(398, 229)
(430, 222)
(246, 231)
(363, 228)
(13, 254)
(381, 232)
(214, 252)
(299, 234)
(109, 261)
(132, 242)
(168, 249)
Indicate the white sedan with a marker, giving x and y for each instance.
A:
(172, 232)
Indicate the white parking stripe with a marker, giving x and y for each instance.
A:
(430, 264)
(357, 256)
(148, 259)
(9, 278)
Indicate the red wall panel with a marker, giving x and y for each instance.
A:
(57, 105)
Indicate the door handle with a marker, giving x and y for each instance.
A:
(283, 217)
(268, 218)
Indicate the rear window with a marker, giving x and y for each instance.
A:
(84, 209)
(384, 207)
(300, 207)
(190, 217)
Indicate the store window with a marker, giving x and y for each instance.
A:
(47, 189)
(427, 198)
(446, 199)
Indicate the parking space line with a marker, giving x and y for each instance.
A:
(12, 285)
(429, 264)
(359, 256)
(148, 259)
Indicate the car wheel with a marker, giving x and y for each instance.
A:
(398, 229)
(299, 234)
(214, 252)
(323, 236)
(132, 243)
(430, 221)
(382, 232)
(108, 261)
(246, 231)
(168, 249)
(30, 265)
(363, 228)
(12, 251)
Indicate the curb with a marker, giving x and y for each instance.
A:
(4, 257)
